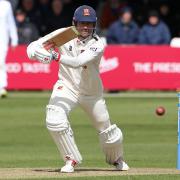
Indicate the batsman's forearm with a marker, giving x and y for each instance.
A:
(70, 61)
(80, 60)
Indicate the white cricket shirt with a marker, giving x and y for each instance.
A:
(79, 63)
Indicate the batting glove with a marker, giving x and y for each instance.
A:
(50, 47)
(43, 56)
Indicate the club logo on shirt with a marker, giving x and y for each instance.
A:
(93, 49)
(86, 12)
(70, 48)
(60, 87)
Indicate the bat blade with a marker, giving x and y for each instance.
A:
(64, 36)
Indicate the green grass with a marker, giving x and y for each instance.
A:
(149, 140)
(148, 177)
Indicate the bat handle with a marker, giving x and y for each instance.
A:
(48, 45)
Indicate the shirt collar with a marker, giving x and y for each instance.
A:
(84, 41)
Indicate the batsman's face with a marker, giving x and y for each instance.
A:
(85, 28)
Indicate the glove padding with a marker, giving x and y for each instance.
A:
(43, 56)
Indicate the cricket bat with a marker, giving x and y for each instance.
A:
(64, 36)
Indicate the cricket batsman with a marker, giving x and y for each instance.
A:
(79, 83)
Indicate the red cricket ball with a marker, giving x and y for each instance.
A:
(160, 111)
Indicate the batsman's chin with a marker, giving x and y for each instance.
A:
(85, 34)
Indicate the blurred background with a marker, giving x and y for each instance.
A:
(48, 15)
(141, 37)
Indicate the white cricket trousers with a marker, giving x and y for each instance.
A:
(67, 100)
(3, 72)
(62, 101)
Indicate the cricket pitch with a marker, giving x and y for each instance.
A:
(28, 173)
